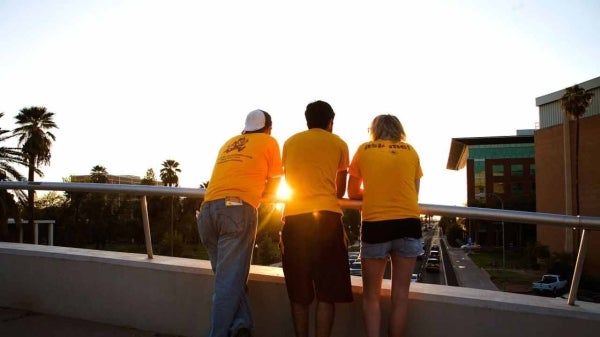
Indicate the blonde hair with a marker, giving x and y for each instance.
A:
(387, 127)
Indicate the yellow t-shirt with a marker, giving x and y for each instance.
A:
(388, 171)
(243, 165)
(311, 160)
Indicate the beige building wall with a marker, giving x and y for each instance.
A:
(550, 186)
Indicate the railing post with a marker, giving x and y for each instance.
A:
(51, 234)
(146, 222)
(583, 245)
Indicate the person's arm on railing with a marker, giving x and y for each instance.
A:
(354, 190)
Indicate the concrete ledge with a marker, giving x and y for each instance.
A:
(172, 296)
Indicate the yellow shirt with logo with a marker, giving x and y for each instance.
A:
(243, 165)
(388, 170)
(311, 160)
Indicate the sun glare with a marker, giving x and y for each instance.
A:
(283, 193)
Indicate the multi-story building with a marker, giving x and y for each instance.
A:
(112, 179)
(500, 174)
(559, 188)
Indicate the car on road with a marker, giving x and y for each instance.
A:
(356, 268)
(416, 278)
(432, 265)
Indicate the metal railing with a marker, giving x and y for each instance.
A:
(586, 223)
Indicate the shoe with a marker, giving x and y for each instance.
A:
(242, 332)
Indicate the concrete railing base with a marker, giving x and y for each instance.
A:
(173, 295)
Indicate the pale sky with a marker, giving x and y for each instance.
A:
(134, 83)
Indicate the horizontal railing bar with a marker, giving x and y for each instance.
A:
(560, 220)
(584, 222)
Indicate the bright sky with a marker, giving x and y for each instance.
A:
(133, 83)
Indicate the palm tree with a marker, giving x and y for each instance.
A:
(168, 174)
(99, 174)
(8, 207)
(574, 102)
(35, 140)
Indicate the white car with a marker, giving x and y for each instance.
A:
(469, 247)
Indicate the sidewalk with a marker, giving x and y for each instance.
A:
(468, 274)
(21, 323)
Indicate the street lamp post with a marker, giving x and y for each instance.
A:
(503, 252)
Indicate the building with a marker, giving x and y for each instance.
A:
(555, 180)
(500, 174)
(112, 179)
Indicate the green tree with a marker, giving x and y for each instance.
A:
(150, 178)
(35, 139)
(168, 173)
(99, 175)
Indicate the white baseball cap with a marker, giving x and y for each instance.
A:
(255, 120)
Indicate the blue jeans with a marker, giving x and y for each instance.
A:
(228, 233)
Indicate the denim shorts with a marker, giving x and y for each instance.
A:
(404, 247)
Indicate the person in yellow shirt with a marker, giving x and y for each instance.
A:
(248, 168)
(313, 242)
(385, 174)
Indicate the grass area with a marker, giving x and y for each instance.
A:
(516, 277)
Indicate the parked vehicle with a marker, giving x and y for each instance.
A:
(550, 283)
(416, 278)
(469, 247)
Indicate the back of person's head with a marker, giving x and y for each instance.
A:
(257, 121)
(318, 114)
(387, 127)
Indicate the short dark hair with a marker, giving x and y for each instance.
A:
(318, 114)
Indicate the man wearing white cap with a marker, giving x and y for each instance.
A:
(248, 168)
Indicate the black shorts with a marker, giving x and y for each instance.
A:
(315, 258)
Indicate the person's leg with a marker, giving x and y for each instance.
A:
(324, 315)
(332, 272)
(296, 253)
(300, 316)
(229, 237)
(372, 275)
(402, 268)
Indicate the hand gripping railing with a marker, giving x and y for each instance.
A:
(586, 223)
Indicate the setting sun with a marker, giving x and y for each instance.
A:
(283, 193)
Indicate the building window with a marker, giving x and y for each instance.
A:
(498, 170)
(532, 170)
(516, 188)
(516, 170)
(498, 188)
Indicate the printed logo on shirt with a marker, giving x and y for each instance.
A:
(392, 147)
(239, 144)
